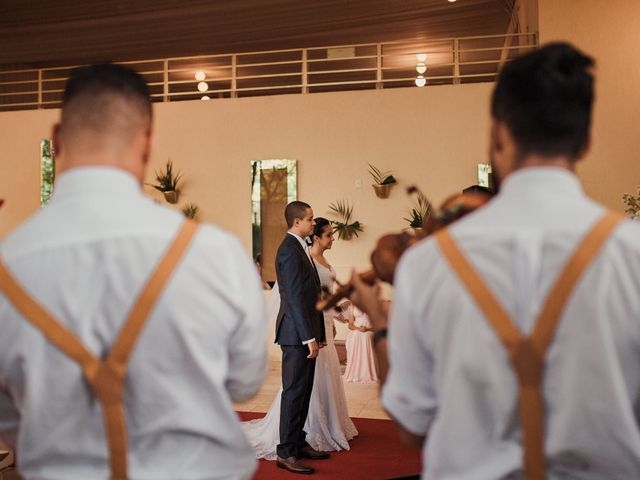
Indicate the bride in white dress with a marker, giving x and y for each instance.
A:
(328, 425)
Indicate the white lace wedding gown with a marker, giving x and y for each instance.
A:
(328, 425)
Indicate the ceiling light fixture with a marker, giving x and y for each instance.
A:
(205, 97)
(421, 68)
(203, 87)
(200, 76)
(452, 1)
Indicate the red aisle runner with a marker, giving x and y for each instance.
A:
(376, 453)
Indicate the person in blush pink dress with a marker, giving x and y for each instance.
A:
(361, 366)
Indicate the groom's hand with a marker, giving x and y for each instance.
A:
(313, 349)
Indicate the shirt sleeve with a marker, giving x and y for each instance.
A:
(408, 394)
(247, 344)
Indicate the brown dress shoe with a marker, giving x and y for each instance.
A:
(310, 453)
(294, 465)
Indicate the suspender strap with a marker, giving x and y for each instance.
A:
(526, 354)
(106, 377)
(573, 270)
(138, 315)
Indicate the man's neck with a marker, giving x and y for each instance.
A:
(71, 162)
(296, 233)
(559, 161)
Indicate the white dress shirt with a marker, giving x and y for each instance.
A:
(450, 377)
(85, 257)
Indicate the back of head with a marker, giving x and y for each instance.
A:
(319, 227)
(104, 103)
(295, 209)
(545, 100)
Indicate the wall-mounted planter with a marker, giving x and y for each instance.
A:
(382, 191)
(171, 196)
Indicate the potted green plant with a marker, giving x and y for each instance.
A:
(344, 227)
(632, 204)
(420, 213)
(383, 181)
(168, 182)
(191, 210)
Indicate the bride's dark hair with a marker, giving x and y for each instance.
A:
(321, 222)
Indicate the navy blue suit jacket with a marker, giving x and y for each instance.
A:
(298, 320)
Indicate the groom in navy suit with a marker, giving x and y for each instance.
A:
(300, 334)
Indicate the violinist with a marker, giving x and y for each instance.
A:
(514, 333)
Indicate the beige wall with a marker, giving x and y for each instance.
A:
(610, 32)
(433, 137)
(20, 137)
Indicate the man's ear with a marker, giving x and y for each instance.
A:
(148, 146)
(586, 148)
(496, 144)
(55, 139)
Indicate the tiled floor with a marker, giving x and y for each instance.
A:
(363, 399)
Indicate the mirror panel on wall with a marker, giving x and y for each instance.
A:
(274, 184)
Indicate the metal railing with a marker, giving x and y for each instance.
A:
(306, 70)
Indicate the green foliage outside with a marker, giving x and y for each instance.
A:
(47, 171)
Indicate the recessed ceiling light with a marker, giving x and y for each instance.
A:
(421, 57)
(203, 86)
(421, 68)
(205, 97)
(420, 81)
(200, 76)
(451, 1)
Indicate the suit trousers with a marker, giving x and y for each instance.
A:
(297, 384)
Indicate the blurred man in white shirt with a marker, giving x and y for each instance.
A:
(84, 257)
(451, 387)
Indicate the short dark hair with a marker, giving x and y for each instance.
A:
(545, 100)
(318, 229)
(295, 209)
(91, 95)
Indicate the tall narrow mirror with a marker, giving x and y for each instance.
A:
(273, 186)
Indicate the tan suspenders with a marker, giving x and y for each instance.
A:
(526, 354)
(106, 377)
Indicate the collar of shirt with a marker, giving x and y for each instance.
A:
(305, 247)
(95, 181)
(531, 178)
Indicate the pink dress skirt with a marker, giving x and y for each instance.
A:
(360, 361)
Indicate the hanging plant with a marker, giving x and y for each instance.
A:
(420, 213)
(632, 204)
(383, 181)
(344, 227)
(191, 210)
(168, 182)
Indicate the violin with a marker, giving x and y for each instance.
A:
(390, 247)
